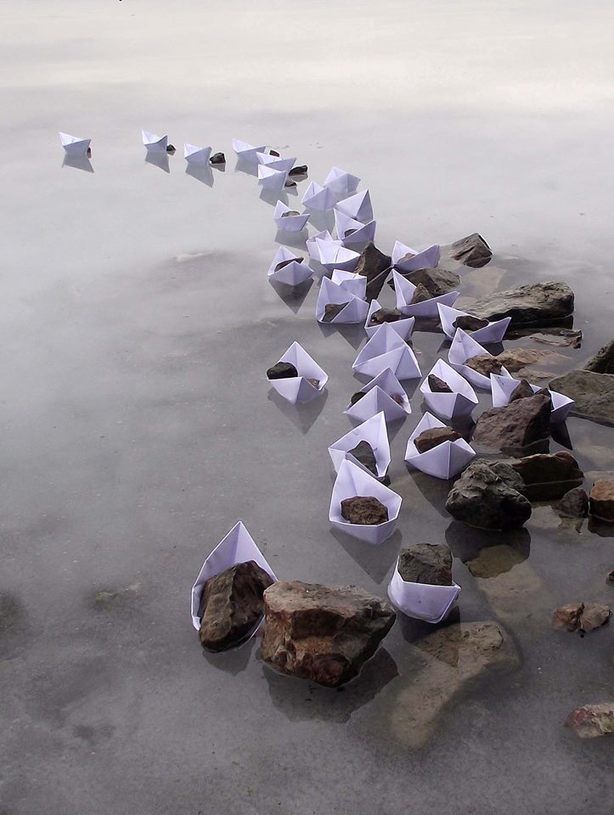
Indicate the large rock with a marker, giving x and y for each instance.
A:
(436, 281)
(231, 605)
(574, 504)
(590, 721)
(601, 501)
(375, 266)
(429, 563)
(548, 476)
(535, 304)
(471, 251)
(603, 361)
(489, 496)
(593, 394)
(324, 634)
(514, 426)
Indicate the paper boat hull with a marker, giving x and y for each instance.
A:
(422, 602)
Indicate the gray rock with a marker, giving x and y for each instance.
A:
(217, 158)
(574, 504)
(521, 391)
(535, 304)
(300, 169)
(603, 361)
(385, 315)
(592, 392)
(515, 426)
(548, 476)
(429, 563)
(592, 721)
(421, 294)
(363, 452)
(375, 266)
(471, 251)
(436, 281)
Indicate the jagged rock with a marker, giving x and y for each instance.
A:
(484, 364)
(170, 148)
(521, 391)
(331, 310)
(591, 721)
(282, 370)
(437, 385)
(429, 563)
(548, 476)
(385, 315)
(433, 437)
(601, 501)
(563, 337)
(375, 266)
(574, 504)
(436, 281)
(567, 617)
(535, 304)
(603, 361)
(471, 251)
(217, 158)
(363, 452)
(320, 633)
(469, 323)
(593, 394)
(364, 509)
(420, 294)
(231, 605)
(300, 169)
(489, 496)
(514, 426)
(594, 615)
(355, 397)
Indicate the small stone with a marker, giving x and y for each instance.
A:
(356, 396)
(548, 476)
(363, 452)
(434, 437)
(484, 364)
(290, 213)
(601, 501)
(385, 315)
(591, 721)
(521, 391)
(594, 615)
(331, 310)
(289, 183)
(471, 251)
(300, 169)
(217, 158)
(515, 426)
(170, 148)
(282, 370)
(567, 617)
(283, 263)
(274, 153)
(428, 563)
(469, 323)
(437, 385)
(364, 509)
(420, 295)
(574, 504)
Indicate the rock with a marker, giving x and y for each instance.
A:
(364, 509)
(331, 310)
(521, 391)
(593, 394)
(583, 617)
(363, 452)
(274, 153)
(282, 264)
(420, 294)
(567, 617)
(231, 605)
(437, 385)
(356, 396)
(399, 398)
(563, 337)
(320, 633)
(88, 152)
(289, 183)
(610, 577)
(217, 158)
(514, 426)
(469, 323)
(300, 169)
(349, 232)
(516, 359)
(574, 504)
(375, 266)
(484, 364)
(591, 721)
(489, 496)
(535, 304)
(436, 281)
(282, 370)
(429, 563)
(601, 501)
(433, 437)
(290, 213)
(548, 476)
(170, 148)
(471, 251)
(385, 315)
(603, 361)
(594, 615)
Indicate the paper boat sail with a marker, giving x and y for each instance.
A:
(318, 198)
(420, 259)
(271, 179)
(491, 333)
(293, 273)
(73, 145)
(276, 162)
(404, 292)
(288, 223)
(340, 182)
(357, 206)
(246, 151)
(383, 394)
(385, 349)
(153, 142)
(196, 155)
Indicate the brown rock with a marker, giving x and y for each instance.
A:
(601, 501)
(516, 425)
(437, 385)
(488, 495)
(436, 281)
(536, 304)
(591, 721)
(364, 509)
(471, 251)
(594, 615)
(434, 437)
(484, 364)
(593, 394)
(603, 361)
(375, 266)
(385, 315)
(521, 391)
(420, 295)
(429, 563)
(363, 452)
(331, 310)
(574, 504)
(469, 323)
(548, 476)
(282, 370)
(567, 617)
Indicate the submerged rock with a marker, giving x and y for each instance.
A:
(363, 452)
(489, 495)
(592, 392)
(484, 364)
(434, 437)
(548, 476)
(603, 361)
(514, 426)
(375, 266)
(437, 385)
(591, 721)
(469, 323)
(320, 633)
(601, 501)
(217, 158)
(331, 310)
(471, 251)
(436, 281)
(574, 504)
(429, 563)
(282, 370)
(364, 509)
(535, 304)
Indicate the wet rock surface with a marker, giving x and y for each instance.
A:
(484, 364)
(471, 251)
(592, 392)
(434, 437)
(437, 385)
(364, 509)
(489, 496)
(331, 310)
(385, 315)
(514, 426)
(582, 617)
(603, 361)
(363, 452)
(320, 633)
(535, 304)
(428, 563)
(548, 476)
(574, 504)
(601, 501)
(282, 370)
(592, 721)
(469, 323)
(375, 266)
(436, 281)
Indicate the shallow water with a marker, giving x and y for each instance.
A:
(137, 325)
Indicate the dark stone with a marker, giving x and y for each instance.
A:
(356, 396)
(436, 281)
(521, 391)
(514, 426)
(375, 266)
(349, 232)
(593, 394)
(548, 476)
(488, 495)
(434, 437)
(232, 605)
(290, 213)
(469, 323)
(399, 398)
(170, 148)
(535, 304)
(601, 501)
(88, 152)
(289, 183)
(364, 509)
(217, 158)
(420, 295)
(592, 721)
(283, 263)
(574, 504)
(484, 364)
(282, 370)
(429, 563)
(471, 251)
(300, 169)
(363, 452)
(320, 633)
(385, 315)
(437, 385)
(603, 361)
(274, 153)
(610, 577)
(331, 310)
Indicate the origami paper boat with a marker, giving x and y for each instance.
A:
(297, 388)
(154, 143)
(404, 328)
(421, 600)
(453, 405)
(291, 223)
(335, 256)
(237, 547)
(502, 387)
(352, 480)
(73, 145)
(312, 243)
(378, 399)
(493, 332)
(357, 206)
(374, 432)
(246, 151)
(340, 182)
(318, 198)
(404, 292)
(425, 259)
(463, 348)
(444, 461)
(293, 273)
(276, 162)
(196, 155)
(385, 349)
(271, 179)
(354, 312)
(356, 284)
(359, 233)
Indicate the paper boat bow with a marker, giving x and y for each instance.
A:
(289, 223)
(444, 461)
(352, 232)
(453, 405)
(318, 198)
(312, 243)
(404, 328)
(276, 162)
(153, 142)
(357, 206)
(73, 145)
(196, 155)
(379, 393)
(333, 255)
(271, 178)
(464, 347)
(246, 151)
(425, 259)
(293, 273)
(297, 388)
(340, 182)
(354, 311)
(404, 292)
(374, 432)
(385, 349)
(493, 332)
(502, 387)
(420, 600)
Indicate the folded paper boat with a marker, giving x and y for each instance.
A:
(463, 348)
(297, 388)
(502, 387)
(493, 332)
(237, 547)
(354, 283)
(73, 145)
(270, 178)
(196, 155)
(154, 143)
(276, 162)
(378, 398)
(291, 223)
(421, 600)
(404, 292)
(312, 243)
(352, 480)
(333, 255)
(374, 432)
(352, 232)
(422, 259)
(341, 182)
(403, 327)
(293, 273)
(354, 312)
(246, 151)
(357, 206)
(453, 405)
(318, 198)
(385, 349)
(443, 461)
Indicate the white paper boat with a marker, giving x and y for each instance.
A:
(403, 327)
(354, 312)
(385, 349)
(340, 182)
(353, 480)
(246, 151)
(154, 143)
(291, 223)
(237, 547)
(404, 292)
(335, 256)
(359, 233)
(453, 405)
(318, 198)
(502, 387)
(196, 155)
(73, 145)
(271, 179)
(374, 432)
(312, 243)
(463, 348)
(276, 162)
(444, 461)
(297, 388)
(357, 206)
(421, 600)
(493, 332)
(422, 259)
(378, 399)
(293, 273)
(356, 284)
